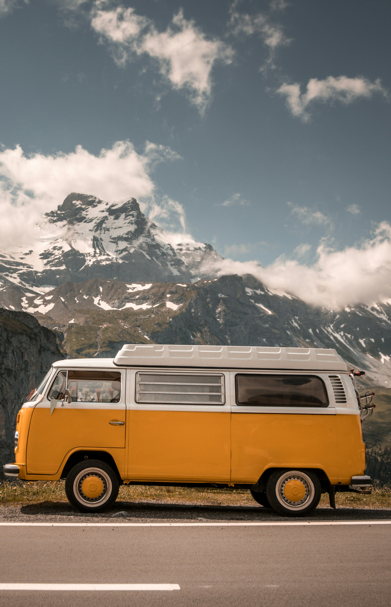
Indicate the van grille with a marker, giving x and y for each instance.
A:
(339, 391)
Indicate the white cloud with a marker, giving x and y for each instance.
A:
(169, 214)
(235, 200)
(71, 11)
(121, 27)
(302, 250)
(342, 89)
(30, 185)
(7, 6)
(183, 54)
(354, 209)
(360, 274)
(310, 217)
(278, 5)
(237, 249)
(70, 5)
(271, 33)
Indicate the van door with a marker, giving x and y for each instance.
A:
(95, 419)
(178, 427)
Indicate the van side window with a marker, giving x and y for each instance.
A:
(176, 388)
(94, 386)
(281, 391)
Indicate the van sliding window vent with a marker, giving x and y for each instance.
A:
(178, 389)
(339, 391)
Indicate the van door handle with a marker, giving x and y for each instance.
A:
(115, 422)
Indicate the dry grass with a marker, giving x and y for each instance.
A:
(43, 491)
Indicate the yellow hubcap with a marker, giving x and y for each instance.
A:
(92, 486)
(294, 490)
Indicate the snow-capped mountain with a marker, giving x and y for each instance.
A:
(100, 264)
(86, 237)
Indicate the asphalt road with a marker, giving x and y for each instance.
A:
(226, 563)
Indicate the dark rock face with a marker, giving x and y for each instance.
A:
(27, 351)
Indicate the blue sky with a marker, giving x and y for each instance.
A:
(259, 127)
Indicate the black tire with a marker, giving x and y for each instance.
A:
(299, 497)
(261, 498)
(92, 486)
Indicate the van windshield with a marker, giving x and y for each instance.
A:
(41, 388)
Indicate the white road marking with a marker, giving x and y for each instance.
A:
(89, 587)
(210, 524)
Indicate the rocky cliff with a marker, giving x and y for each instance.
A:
(26, 352)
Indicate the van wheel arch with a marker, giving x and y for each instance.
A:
(80, 456)
(260, 485)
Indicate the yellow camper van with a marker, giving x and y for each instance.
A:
(283, 422)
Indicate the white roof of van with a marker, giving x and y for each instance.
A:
(87, 363)
(225, 357)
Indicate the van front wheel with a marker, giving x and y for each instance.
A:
(293, 492)
(92, 486)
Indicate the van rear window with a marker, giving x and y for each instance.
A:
(280, 391)
(175, 388)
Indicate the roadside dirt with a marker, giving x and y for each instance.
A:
(155, 512)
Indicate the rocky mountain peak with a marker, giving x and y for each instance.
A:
(93, 239)
(129, 208)
(81, 208)
(73, 208)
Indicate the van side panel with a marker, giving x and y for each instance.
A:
(262, 440)
(178, 446)
(351, 449)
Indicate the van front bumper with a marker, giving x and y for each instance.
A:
(11, 470)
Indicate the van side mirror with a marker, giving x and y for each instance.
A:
(54, 401)
(53, 404)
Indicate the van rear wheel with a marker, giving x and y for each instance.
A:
(92, 486)
(293, 492)
(261, 498)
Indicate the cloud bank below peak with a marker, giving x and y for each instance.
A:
(359, 274)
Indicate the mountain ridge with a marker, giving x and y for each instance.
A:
(230, 310)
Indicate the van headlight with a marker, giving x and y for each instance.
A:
(16, 440)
